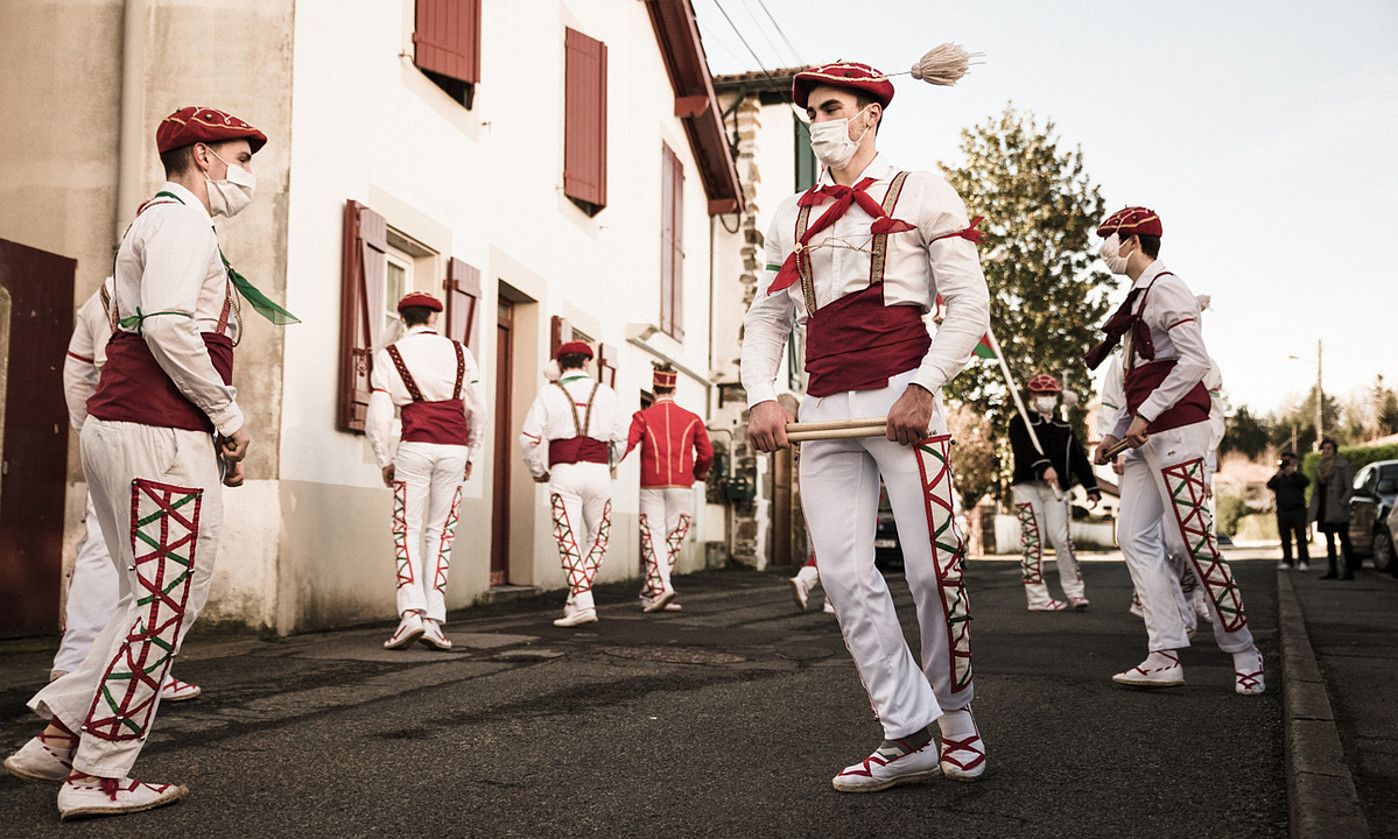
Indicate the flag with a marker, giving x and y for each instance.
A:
(983, 347)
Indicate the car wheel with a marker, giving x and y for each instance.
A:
(1383, 551)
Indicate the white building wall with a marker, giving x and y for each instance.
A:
(483, 185)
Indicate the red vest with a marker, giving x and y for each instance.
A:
(675, 448)
(1141, 382)
(443, 421)
(579, 448)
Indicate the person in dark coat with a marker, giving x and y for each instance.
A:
(1334, 484)
(1043, 475)
(1289, 487)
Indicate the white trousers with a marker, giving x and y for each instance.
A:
(840, 496)
(427, 480)
(159, 502)
(93, 590)
(580, 498)
(1042, 513)
(666, 513)
(1163, 498)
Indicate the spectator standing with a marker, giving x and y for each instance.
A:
(1289, 488)
(1334, 484)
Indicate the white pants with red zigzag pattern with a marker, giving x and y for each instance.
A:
(1163, 497)
(580, 500)
(158, 499)
(1043, 516)
(840, 497)
(426, 505)
(665, 516)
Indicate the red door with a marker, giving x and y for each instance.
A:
(36, 319)
(500, 490)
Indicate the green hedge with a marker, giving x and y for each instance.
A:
(1358, 457)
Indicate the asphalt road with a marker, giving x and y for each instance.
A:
(727, 719)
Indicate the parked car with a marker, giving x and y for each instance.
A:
(1375, 491)
(1384, 541)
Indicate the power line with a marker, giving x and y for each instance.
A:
(781, 32)
(776, 51)
(739, 33)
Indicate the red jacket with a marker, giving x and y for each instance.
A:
(675, 448)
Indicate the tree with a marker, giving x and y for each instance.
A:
(1301, 420)
(1047, 301)
(1247, 434)
(973, 462)
(1385, 409)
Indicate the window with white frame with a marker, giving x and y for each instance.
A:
(398, 282)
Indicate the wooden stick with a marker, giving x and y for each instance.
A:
(1116, 450)
(836, 433)
(798, 427)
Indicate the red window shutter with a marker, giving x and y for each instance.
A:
(447, 38)
(585, 120)
(463, 287)
(561, 332)
(363, 276)
(607, 365)
(671, 243)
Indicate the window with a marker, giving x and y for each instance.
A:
(607, 365)
(463, 287)
(447, 45)
(398, 281)
(585, 121)
(671, 244)
(805, 158)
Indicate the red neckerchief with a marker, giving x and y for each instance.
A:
(845, 196)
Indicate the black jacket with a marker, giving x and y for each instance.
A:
(1290, 490)
(1061, 450)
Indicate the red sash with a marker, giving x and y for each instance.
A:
(858, 343)
(1142, 381)
(577, 450)
(442, 422)
(134, 387)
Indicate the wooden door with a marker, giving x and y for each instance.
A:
(36, 318)
(504, 426)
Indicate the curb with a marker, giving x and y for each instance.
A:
(1320, 790)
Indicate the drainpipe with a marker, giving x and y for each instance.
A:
(729, 522)
(132, 116)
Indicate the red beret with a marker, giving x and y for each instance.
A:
(664, 378)
(420, 298)
(569, 347)
(1044, 383)
(849, 75)
(1132, 221)
(204, 125)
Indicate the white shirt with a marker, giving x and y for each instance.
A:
(168, 269)
(1113, 399)
(1172, 313)
(431, 362)
(917, 269)
(87, 352)
(551, 418)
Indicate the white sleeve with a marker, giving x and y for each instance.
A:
(175, 258)
(378, 422)
(1113, 399)
(533, 437)
(1174, 310)
(476, 416)
(80, 371)
(956, 277)
(766, 329)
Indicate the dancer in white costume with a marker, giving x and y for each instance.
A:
(569, 439)
(858, 260)
(164, 432)
(1166, 422)
(94, 587)
(1041, 480)
(432, 380)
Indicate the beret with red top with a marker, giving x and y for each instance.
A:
(850, 75)
(420, 298)
(1131, 221)
(1044, 383)
(193, 124)
(571, 347)
(664, 377)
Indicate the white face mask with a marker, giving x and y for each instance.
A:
(229, 196)
(1111, 254)
(1045, 404)
(831, 142)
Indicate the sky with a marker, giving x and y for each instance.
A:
(1264, 134)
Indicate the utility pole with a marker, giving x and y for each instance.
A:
(1319, 397)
